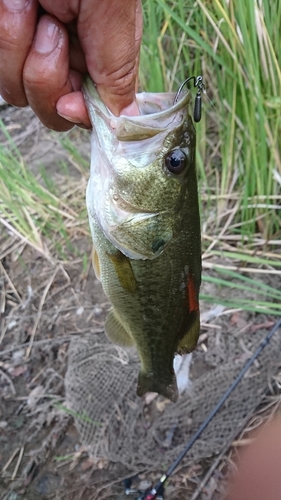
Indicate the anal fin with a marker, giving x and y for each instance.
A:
(96, 263)
(116, 332)
(189, 341)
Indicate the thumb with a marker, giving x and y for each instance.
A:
(110, 34)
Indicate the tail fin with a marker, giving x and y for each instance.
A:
(166, 386)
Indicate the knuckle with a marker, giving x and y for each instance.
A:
(40, 78)
(121, 81)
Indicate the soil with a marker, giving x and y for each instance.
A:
(43, 305)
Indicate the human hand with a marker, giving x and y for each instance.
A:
(259, 470)
(47, 46)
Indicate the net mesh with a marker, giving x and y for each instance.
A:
(117, 425)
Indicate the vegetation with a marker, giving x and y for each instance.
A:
(236, 47)
(36, 209)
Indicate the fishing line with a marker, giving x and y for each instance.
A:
(158, 490)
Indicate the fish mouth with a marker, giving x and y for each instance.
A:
(151, 104)
(158, 113)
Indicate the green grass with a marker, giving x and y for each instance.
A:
(36, 209)
(252, 292)
(80, 416)
(236, 47)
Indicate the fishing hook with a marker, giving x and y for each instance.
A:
(199, 83)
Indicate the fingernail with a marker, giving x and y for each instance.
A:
(47, 36)
(69, 118)
(15, 4)
(131, 110)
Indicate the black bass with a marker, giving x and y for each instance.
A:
(143, 211)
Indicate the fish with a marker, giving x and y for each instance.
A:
(142, 202)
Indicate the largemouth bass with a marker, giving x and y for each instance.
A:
(143, 211)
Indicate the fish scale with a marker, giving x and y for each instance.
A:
(144, 219)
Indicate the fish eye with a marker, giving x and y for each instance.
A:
(176, 161)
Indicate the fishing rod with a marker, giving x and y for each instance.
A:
(157, 492)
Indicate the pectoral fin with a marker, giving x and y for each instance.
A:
(116, 332)
(124, 271)
(189, 341)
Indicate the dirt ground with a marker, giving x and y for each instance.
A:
(44, 304)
